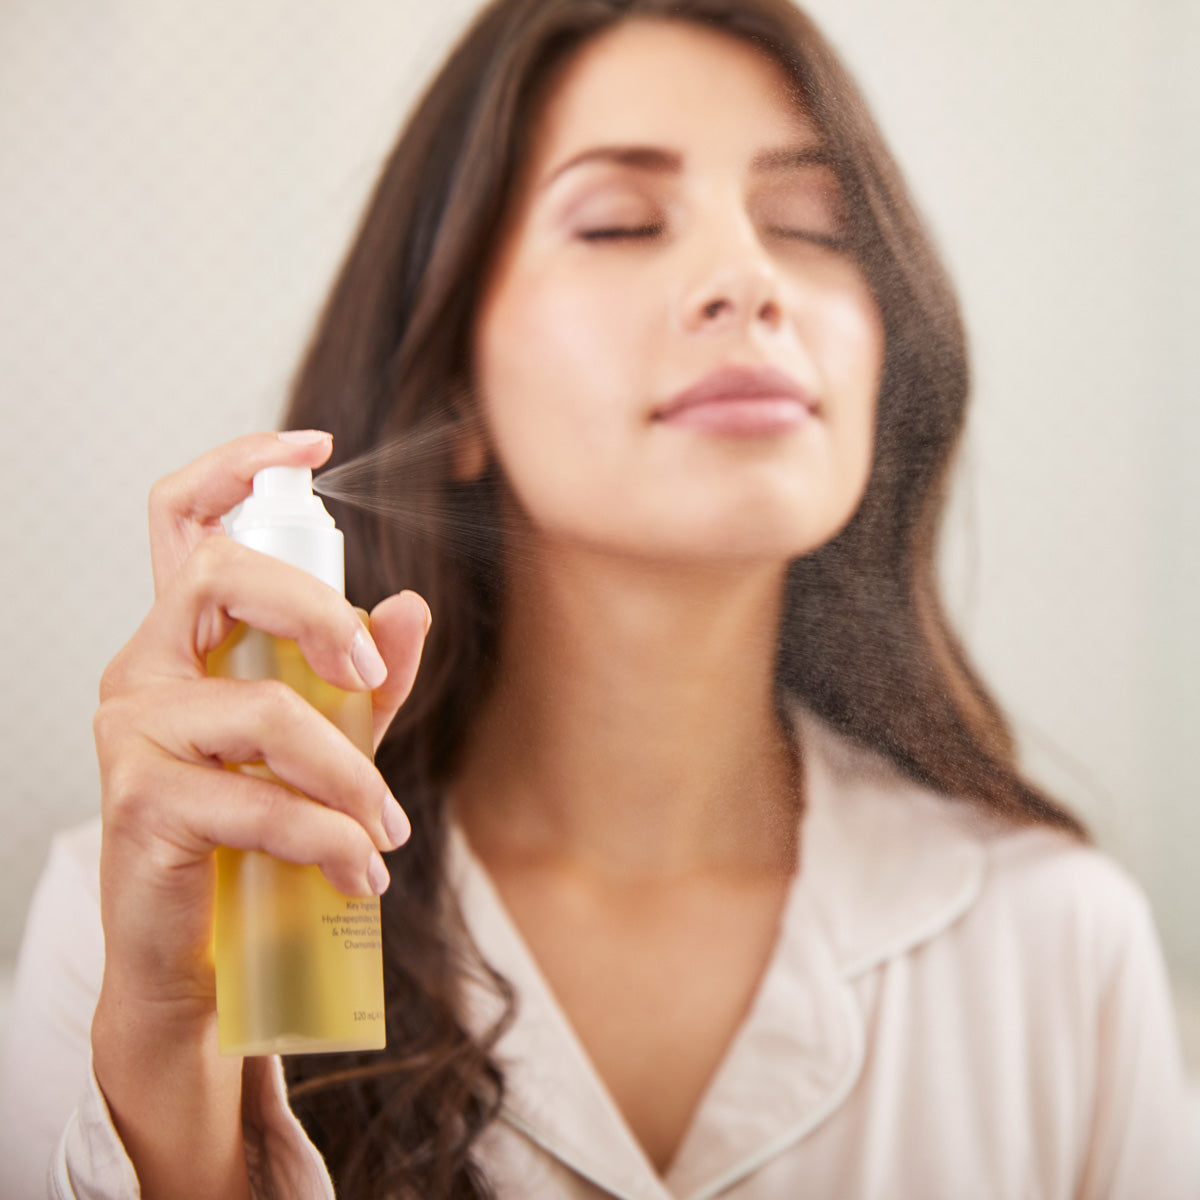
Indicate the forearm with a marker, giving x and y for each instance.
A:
(175, 1102)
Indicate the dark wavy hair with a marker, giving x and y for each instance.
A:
(864, 642)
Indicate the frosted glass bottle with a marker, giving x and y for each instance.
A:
(299, 965)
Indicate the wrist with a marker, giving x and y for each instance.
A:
(174, 1100)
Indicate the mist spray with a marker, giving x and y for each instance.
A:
(299, 965)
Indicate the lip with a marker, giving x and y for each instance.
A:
(747, 400)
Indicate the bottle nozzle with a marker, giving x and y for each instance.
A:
(284, 519)
(282, 496)
(283, 481)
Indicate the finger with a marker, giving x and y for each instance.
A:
(224, 583)
(190, 810)
(266, 723)
(187, 506)
(399, 626)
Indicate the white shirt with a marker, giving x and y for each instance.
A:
(954, 1010)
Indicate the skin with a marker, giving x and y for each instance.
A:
(628, 784)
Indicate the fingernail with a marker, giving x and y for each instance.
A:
(395, 823)
(304, 437)
(428, 617)
(366, 660)
(377, 874)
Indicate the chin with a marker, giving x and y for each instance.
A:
(722, 544)
(769, 527)
(762, 533)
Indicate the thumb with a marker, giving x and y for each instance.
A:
(398, 626)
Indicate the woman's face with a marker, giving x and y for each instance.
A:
(675, 358)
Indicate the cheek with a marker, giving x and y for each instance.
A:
(560, 364)
(850, 331)
(556, 355)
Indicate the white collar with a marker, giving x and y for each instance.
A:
(890, 863)
(885, 865)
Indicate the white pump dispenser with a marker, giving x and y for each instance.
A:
(283, 518)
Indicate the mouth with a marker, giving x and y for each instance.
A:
(741, 401)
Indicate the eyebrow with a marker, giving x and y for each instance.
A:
(792, 157)
(661, 161)
(643, 158)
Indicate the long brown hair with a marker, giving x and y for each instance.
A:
(864, 643)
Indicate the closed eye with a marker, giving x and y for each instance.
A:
(614, 233)
(828, 240)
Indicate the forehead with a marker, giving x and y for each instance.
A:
(670, 83)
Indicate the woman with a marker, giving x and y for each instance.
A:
(710, 867)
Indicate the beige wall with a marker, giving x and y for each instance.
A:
(177, 183)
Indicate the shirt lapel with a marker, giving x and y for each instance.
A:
(792, 1062)
(552, 1092)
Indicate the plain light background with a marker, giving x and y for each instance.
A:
(177, 186)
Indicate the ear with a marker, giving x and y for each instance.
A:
(469, 453)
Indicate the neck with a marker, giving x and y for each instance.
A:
(632, 729)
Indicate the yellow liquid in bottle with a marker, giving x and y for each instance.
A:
(299, 965)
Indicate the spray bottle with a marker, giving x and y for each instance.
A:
(299, 965)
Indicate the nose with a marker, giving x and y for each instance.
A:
(735, 286)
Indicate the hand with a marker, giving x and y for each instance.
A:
(165, 732)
